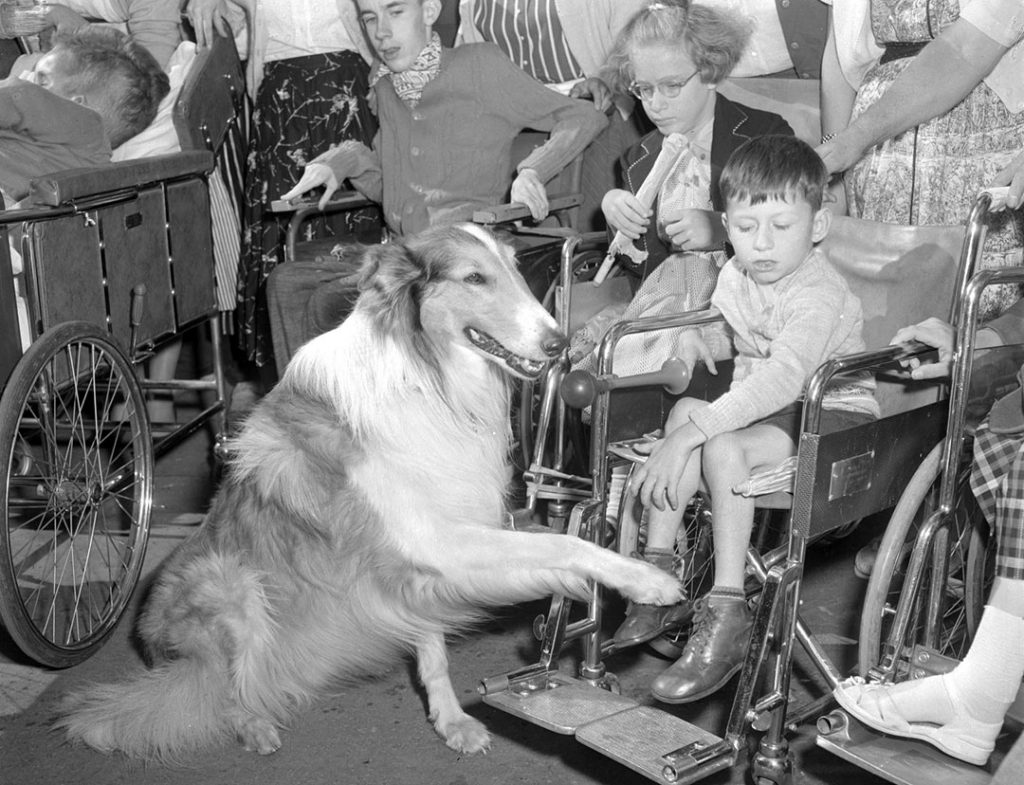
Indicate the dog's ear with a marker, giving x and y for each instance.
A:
(391, 277)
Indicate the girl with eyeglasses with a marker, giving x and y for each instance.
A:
(671, 56)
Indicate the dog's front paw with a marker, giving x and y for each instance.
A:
(464, 734)
(259, 735)
(653, 586)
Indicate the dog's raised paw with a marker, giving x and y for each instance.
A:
(259, 735)
(465, 734)
(654, 586)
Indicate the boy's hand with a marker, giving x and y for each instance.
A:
(933, 332)
(624, 213)
(693, 348)
(206, 16)
(656, 482)
(594, 89)
(315, 175)
(696, 230)
(529, 190)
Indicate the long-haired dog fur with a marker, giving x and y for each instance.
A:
(361, 516)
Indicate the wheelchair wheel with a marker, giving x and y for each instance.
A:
(946, 611)
(76, 457)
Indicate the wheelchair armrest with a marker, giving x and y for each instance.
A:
(304, 209)
(620, 330)
(516, 211)
(71, 184)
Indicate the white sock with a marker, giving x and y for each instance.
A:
(981, 687)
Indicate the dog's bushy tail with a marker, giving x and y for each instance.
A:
(158, 715)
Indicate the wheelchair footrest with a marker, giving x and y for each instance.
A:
(898, 760)
(649, 741)
(658, 745)
(558, 703)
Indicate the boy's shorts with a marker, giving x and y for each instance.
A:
(787, 419)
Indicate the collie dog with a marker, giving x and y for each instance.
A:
(361, 516)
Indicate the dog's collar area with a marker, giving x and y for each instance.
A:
(521, 365)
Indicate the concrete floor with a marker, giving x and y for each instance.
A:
(375, 732)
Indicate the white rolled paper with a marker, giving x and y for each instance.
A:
(671, 149)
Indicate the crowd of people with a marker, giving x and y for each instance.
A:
(711, 201)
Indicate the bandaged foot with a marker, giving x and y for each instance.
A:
(960, 712)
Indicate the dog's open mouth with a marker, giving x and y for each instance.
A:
(521, 365)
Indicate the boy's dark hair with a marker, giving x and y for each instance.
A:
(714, 40)
(121, 79)
(774, 167)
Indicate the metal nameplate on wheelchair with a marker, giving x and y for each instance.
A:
(851, 475)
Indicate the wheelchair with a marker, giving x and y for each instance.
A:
(118, 261)
(910, 459)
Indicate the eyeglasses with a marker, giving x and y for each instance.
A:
(668, 89)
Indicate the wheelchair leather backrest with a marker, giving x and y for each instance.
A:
(902, 275)
(211, 98)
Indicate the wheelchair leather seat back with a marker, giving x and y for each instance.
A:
(902, 275)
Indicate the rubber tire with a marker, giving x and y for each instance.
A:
(910, 512)
(61, 510)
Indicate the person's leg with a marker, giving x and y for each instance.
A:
(718, 642)
(644, 622)
(961, 712)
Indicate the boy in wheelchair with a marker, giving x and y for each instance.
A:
(95, 89)
(961, 712)
(788, 311)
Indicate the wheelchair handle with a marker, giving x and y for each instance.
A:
(580, 388)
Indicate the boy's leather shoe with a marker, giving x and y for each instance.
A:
(644, 622)
(713, 654)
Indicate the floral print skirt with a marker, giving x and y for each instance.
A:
(303, 106)
(931, 174)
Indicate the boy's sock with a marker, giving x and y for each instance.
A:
(726, 593)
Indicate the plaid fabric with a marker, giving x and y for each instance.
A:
(997, 481)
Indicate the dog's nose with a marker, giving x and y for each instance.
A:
(553, 344)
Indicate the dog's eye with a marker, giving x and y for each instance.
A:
(474, 278)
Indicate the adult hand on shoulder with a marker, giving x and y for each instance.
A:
(624, 213)
(529, 190)
(594, 89)
(1013, 178)
(315, 175)
(63, 19)
(207, 16)
(933, 332)
(696, 230)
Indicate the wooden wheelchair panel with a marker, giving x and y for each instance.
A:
(850, 474)
(67, 265)
(191, 241)
(10, 343)
(136, 253)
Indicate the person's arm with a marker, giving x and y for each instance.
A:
(207, 16)
(571, 123)
(939, 78)
(836, 94)
(350, 160)
(811, 320)
(156, 24)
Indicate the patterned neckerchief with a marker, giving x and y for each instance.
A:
(409, 84)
